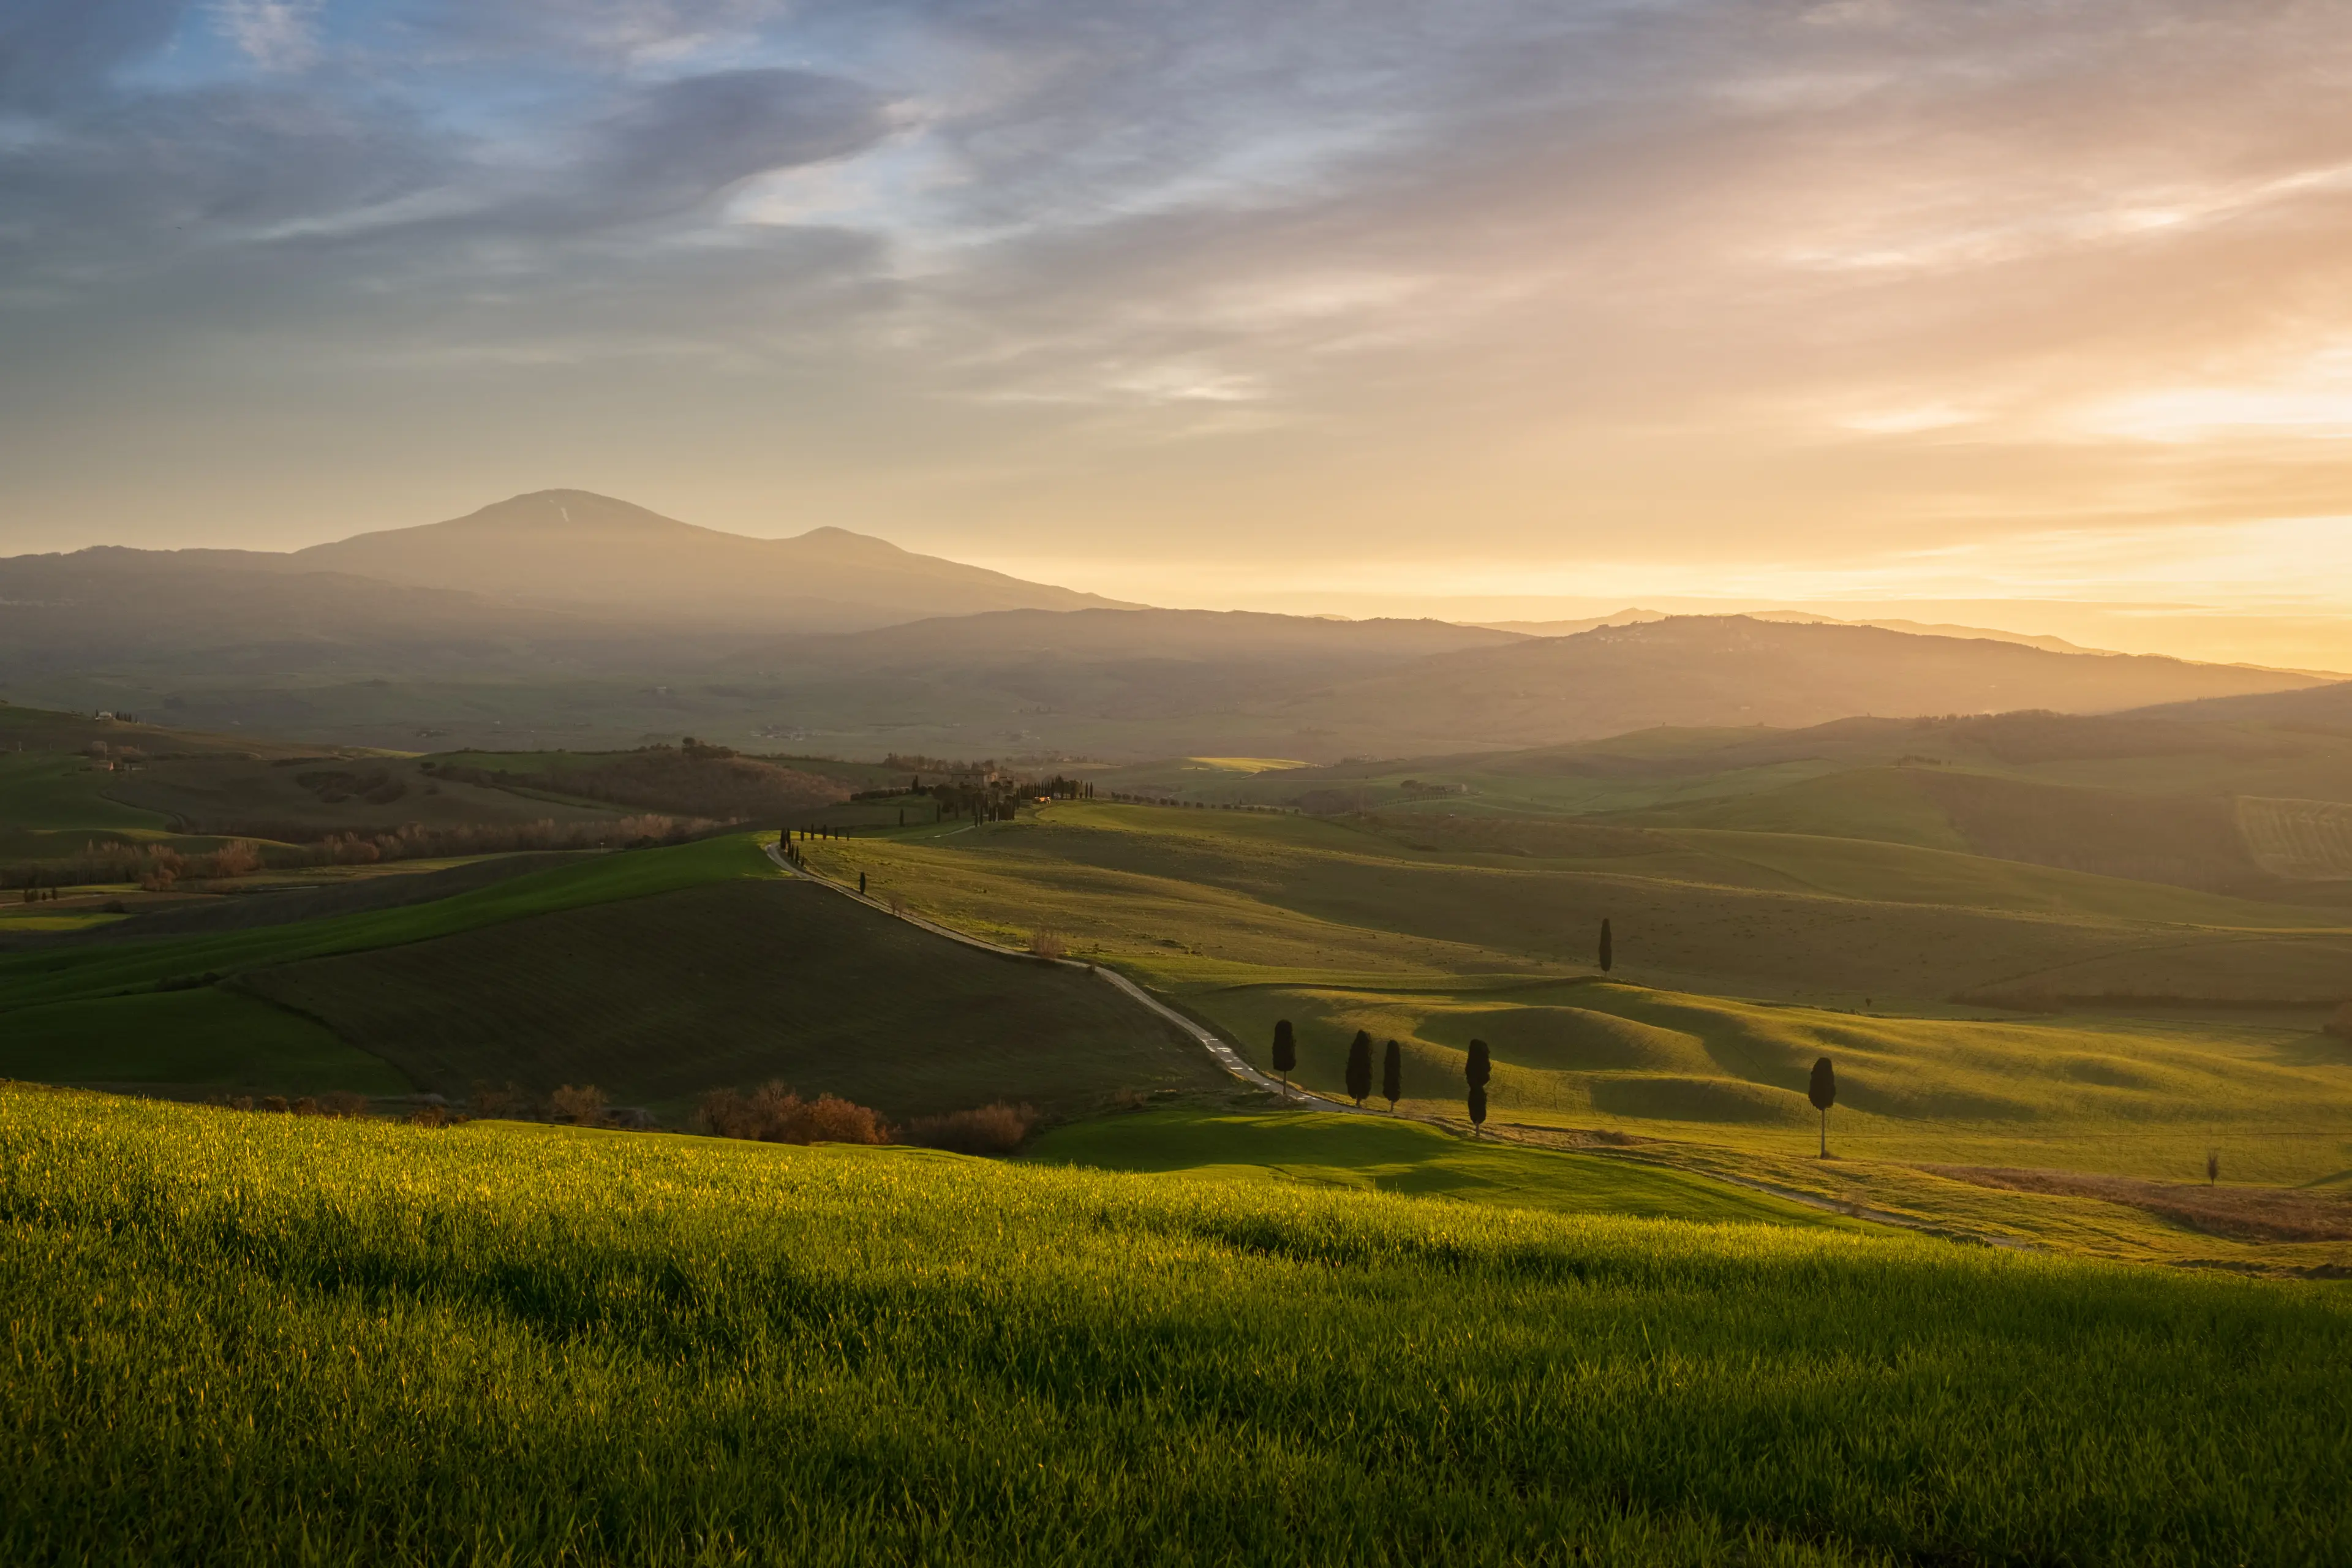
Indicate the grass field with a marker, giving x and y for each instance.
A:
(2303, 840)
(204, 1037)
(1246, 918)
(1373, 1154)
(657, 974)
(494, 1343)
(657, 999)
(1817, 917)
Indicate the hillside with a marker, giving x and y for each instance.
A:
(1728, 670)
(393, 1344)
(577, 549)
(658, 975)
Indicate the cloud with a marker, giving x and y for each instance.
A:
(683, 141)
(54, 51)
(276, 35)
(1864, 277)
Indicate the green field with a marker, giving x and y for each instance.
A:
(204, 1038)
(1370, 1153)
(657, 974)
(1244, 919)
(237, 1337)
(659, 998)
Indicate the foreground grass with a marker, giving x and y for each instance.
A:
(232, 1338)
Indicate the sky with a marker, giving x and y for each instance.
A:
(1368, 307)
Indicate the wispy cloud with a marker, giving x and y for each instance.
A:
(275, 34)
(1850, 282)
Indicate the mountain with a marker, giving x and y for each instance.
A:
(575, 549)
(1732, 671)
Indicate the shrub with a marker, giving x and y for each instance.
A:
(273, 1102)
(997, 1129)
(1048, 945)
(342, 1102)
(774, 1114)
(432, 1116)
(306, 1106)
(499, 1101)
(584, 1104)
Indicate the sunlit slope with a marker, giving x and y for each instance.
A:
(1375, 1154)
(2133, 1095)
(246, 1339)
(1756, 912)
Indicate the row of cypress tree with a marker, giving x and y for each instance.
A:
(1478, 1067)
(1476, 1071)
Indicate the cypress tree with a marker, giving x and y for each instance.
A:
(1822, 1092)
(1476, 1071)
(1285, 1053)
(1392, 1076)
(1359, 1067)
(1608, 948)
(861, 884)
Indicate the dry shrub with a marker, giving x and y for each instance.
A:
(241, 1103)
(584, 1105)
(1048, 945)
(431, 1116)
(774, 1114)
(499, 1101)
(342, 1102)
(997, 1129)
(306, 1106)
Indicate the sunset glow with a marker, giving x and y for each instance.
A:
(1797, 304)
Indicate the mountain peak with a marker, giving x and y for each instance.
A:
(576, 548)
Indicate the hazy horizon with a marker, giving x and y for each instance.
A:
(1862, 307)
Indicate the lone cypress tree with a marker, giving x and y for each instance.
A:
(1285, 1053)
(1359, 1067)
(1822, 1092)
(1608, 948)
(1392, 1076)
(1477, 1071)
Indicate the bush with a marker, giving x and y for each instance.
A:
(1048, 945)
(499, 1101)
(997, 1129)
(584, 1105)
(342, 1102)
(774, 1114)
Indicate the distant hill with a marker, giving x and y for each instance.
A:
(1718, 670)
(574, 548)
(2327, 706)
(1800, 617)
